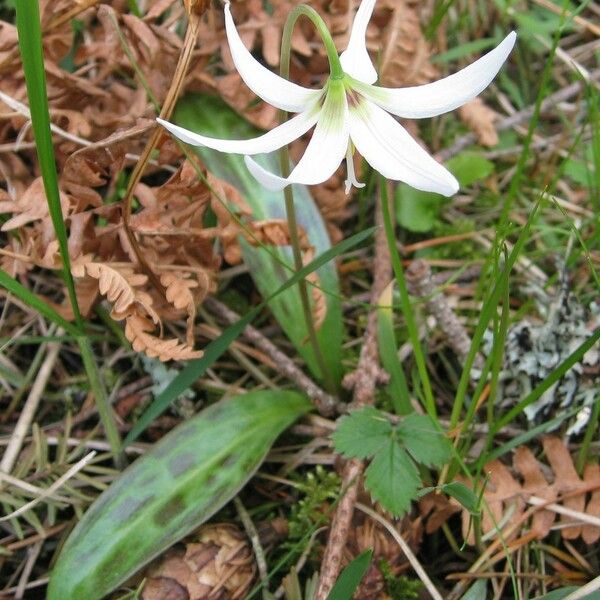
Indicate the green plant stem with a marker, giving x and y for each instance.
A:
(284, 162)
(335, 67)
(101, 398)
(413, 331)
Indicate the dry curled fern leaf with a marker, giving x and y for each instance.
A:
(178, 291)
(117, 286)
(546, 491)
(137, 331)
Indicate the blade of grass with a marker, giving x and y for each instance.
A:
(30, 44)
(196, 368)
(35, 302)
(411, 325)
(487, 311)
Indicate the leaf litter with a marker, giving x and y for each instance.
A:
(102, 115)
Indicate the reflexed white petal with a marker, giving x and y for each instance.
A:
(355, 59)
(267, 85)
(443, 95)
(268, 142)
(390, 149)
(323, 154)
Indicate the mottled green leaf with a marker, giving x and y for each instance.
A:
(183, 480)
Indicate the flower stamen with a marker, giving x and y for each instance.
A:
(351, 179)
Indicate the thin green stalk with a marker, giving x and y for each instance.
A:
(284, 161)
(101, 398)
(30, 44)
(335, 67)
(413, 330)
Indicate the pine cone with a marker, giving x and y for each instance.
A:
(215, 564)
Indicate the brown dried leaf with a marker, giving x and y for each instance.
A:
(480, 118)
(178, 291)
(506, 496)
(117, 286)
(137, 330)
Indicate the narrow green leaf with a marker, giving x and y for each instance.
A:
(424, 440)
(350, 577)
(30, 44)
(362, 433)
(35, 302)
(392, 479)
(465, 495)
(388, 352)
(182, 480)
(194, 369)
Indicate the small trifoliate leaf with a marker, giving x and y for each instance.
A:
(362, 433)
(392, 479)
(425, 442)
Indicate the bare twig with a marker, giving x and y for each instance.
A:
(252, 534)
(364, 381)
(324, 402)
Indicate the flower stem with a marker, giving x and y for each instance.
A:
(335, 66)
(284, 162)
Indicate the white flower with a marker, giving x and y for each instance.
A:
(349, 112)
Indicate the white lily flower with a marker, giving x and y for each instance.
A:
(351, 113)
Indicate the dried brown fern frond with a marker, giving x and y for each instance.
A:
(117, 285)
(553, 489)
(137, 331)
(178, 291)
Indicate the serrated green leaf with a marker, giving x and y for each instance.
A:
(362, 433)
(349, 579)
(425, 442)
(182, 481)
(469, 167)
(392, 479)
